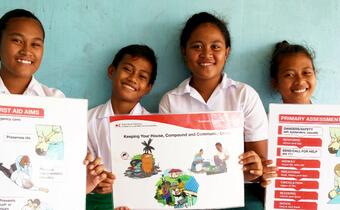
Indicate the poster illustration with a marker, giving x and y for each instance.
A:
(38, 160)
(178, 161)
(304, 144)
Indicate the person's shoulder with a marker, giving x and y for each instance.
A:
(181, 89)
(54, 92)
(139, 110)
(44, 90)
(96, 111)
(241, 86)
(144, 111)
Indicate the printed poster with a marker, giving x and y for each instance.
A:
(305, 145)
(43, 143)
(178, 161)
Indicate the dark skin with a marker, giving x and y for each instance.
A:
(94, 172)
(21, 51)
(205, 54)
(207, 90)
(252, 163)
(130, 82)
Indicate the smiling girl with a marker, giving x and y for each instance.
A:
(205, 45)
(293, 73)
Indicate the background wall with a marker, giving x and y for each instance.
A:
(82, 37)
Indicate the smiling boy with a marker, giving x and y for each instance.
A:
(133, 72)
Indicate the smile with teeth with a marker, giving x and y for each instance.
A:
(129, 87)
(206, 64)
(300, 90)
(24, 61)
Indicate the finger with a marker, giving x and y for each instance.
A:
(271, 169)
(110, 175)
(251, 160)
(267, 162)
(107, 189)
(96, 181)
(88, 158)
(248, 154)
(269, 175)
(102, 177)
(97, 170)
(255, 172)
(97, 161)
(107, 182)
(265, 183)
(104, 184)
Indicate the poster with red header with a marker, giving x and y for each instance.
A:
(42, 147)
(178, 161)
(304, 143)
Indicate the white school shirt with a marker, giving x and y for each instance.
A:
(223, 155)
(35, 88)
(99, 142)
(229, 95)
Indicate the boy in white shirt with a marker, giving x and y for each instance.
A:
(133, 72)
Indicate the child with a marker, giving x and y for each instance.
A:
(293, 75)
(205, 45)
(21, 49)
(133, 72)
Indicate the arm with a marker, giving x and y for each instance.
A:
(256, 129)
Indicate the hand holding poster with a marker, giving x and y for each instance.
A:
(304, 141)
(43, 143)
(178, 160)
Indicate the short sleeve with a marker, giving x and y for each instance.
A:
(256, 122)
(164, 105)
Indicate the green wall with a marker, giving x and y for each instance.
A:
(82, 37)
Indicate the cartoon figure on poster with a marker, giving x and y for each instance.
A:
(334, 146)
(334, 194)
(219, 165)
(142, 165)
(28, 205)
(220, 158)
(176, 189)
(35, 205)
(198, 164)
(20, 173)
(50, 141)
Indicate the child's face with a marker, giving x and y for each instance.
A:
(205, 52)
(219, 147)
(131, 78)
(25, 160)
(21, 48)
(296, 79)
